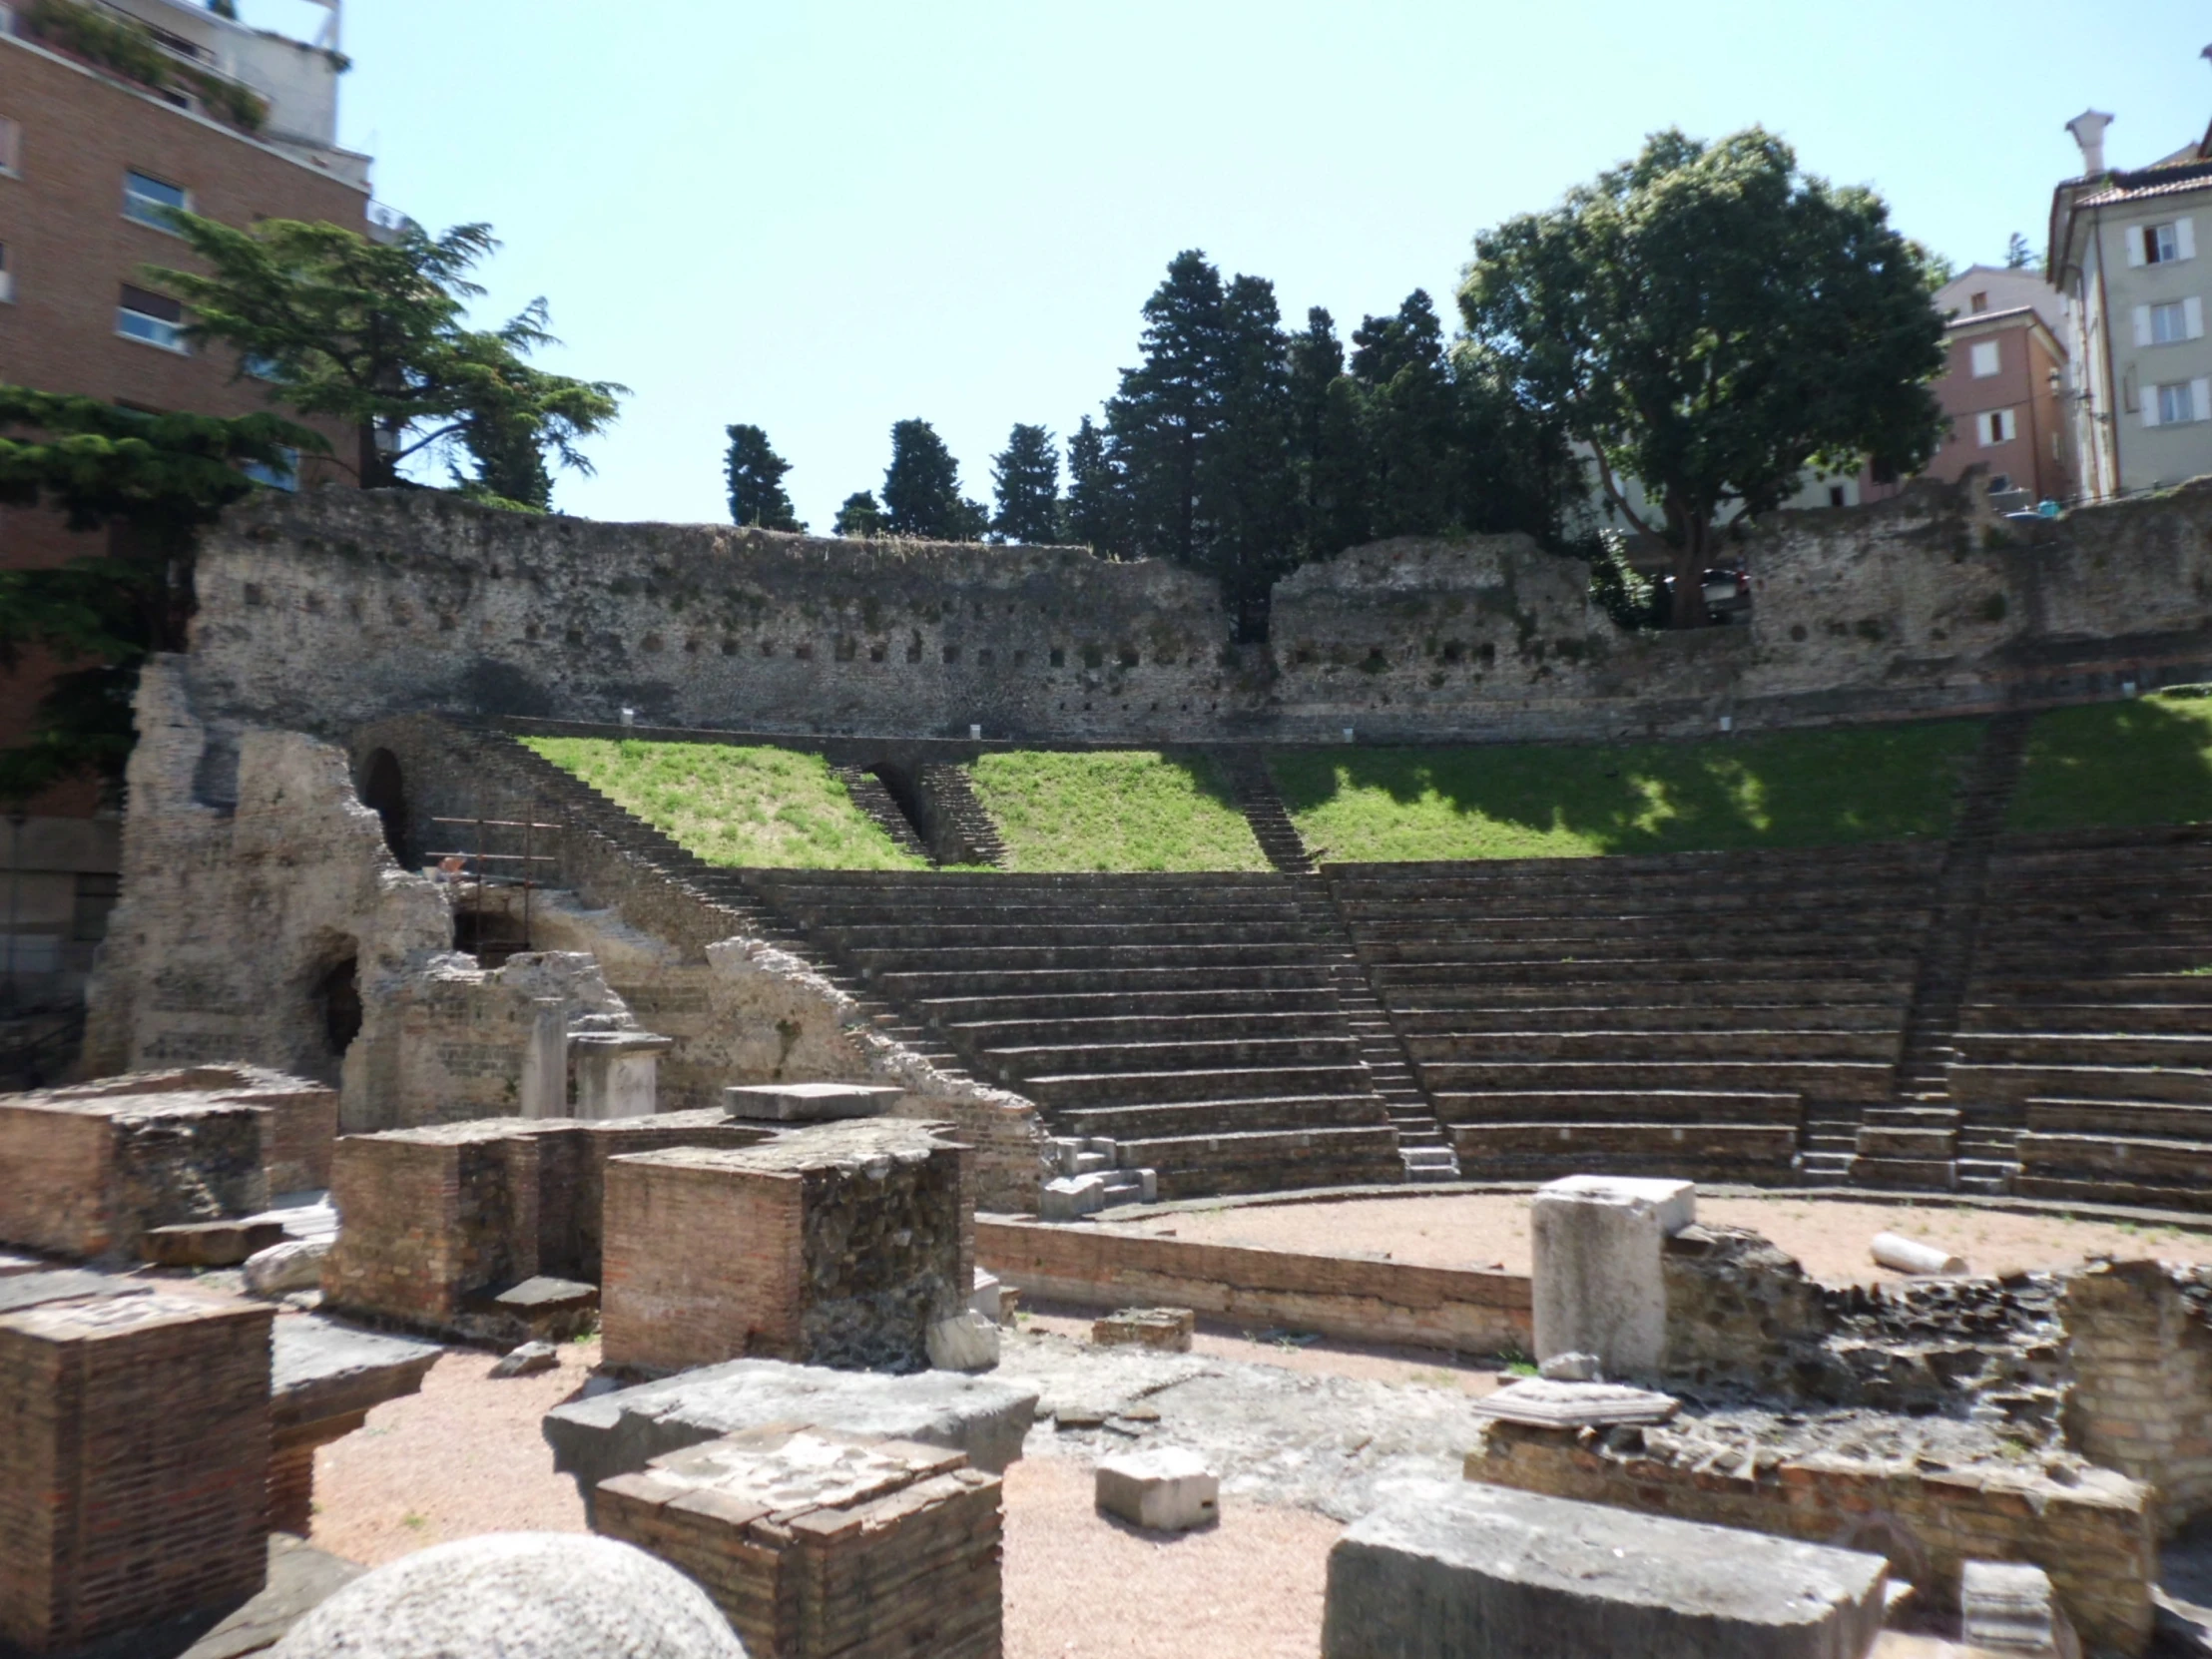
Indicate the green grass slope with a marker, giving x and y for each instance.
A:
(1789, 788)
(1124, 810)
(772, 808)
(2144, 762)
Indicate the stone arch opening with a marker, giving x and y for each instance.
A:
(385, 791)
(335, 998)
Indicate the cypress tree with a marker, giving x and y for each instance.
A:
(1091, 513)
(1247, 496)
(1410, 419)
(756, 474)
(1327, 448)
(1025, 477)
(1166, 413)
(511, 464)
(921, 488)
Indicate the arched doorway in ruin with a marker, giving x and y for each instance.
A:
(336, 1003)
(383, 790)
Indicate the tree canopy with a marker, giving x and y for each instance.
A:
(1712, 322)
(921, 489)
(374, 335)
(151, 482)
(1025, 479)
(756, 477)
(859, 515)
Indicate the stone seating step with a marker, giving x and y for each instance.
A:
(1398, 981)
(1800, 947)
(1183, 1119)
(1004, 956)
(1000, 1035)
(2139, 1018)
(1542, 1151)
(1617, 1105)
(1443, 1024)
(1486, 1047)
(914, 985)
(1889, 996)
(2153, 1163)
(1926, 1173)
(1888, 1140)
(2090, 1048)
(1838, 1080)
(2150, 1119)
(2180, 990)
(1999, 1084)
(1225, 1054)
(1066, 933)
(1262, 1160)
(1608, 925)
(2001, 959)
(2067, 1189)
(963, 1010)
(1695, 892)
(1063, 1089)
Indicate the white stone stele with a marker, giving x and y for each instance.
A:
(808, 1102)
(987, 1297)
(544, 1089)
(1164, 1491)
(2010, 1607)
(617, 1073)
(966, 1342)
(1901, 1255)
(1597, 1284)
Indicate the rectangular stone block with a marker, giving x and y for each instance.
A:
(134, 1463)
(1445, 1571)
(1164, 1491)
(1598, 1284)
(818, 1545)
(1162, 1328)
(809, 1102)
(837, 1244)
(208, 1243)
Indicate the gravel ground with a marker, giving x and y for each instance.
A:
(1830, 1236)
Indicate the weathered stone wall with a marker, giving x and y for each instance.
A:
(2142, 1364)
(89, 1178)
(331, 610)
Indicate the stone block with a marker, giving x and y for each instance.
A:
(134, 1463)
(620, 1432)
(2009, 1607)
(295, 1264)
(1599, 1287)
(839, 1244)
(208, 1243)
(1443, 1571)
(985, 1296)
(966, 1342)
(1169, 1328)
(546, 1307)
(1166, 1489)
(617, 1073)
(808, 1102)
(817, 1546)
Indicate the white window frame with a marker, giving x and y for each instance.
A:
(1984, 358)
(2163, 406)
(1994, 427)
(157, 331)
(7, 277)
(155, 214)
(2149, 244)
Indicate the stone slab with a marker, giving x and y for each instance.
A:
(320, 1369)
(208, 1243)
(808, 1102)
(1167, 1489)
(1597, 1287)
(2009, 1607)
(1167, 1329)
(1444, 1571)
(619, 1433)
(63, 1285)
(1545, 1404)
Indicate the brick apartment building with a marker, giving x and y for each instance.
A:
(244, 126)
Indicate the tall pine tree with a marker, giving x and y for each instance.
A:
(1247, 497)
(1091, 514)
(859, 515)
(756, 474)
(1025, 477)
(921, 488)
(1166, 413)
(1327, 446)
(1410, 416)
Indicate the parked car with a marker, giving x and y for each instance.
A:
(1727, 594)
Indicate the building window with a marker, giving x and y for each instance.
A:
(285, 475)
(1977, 303)
(2177, 403)
(96, 898)
(2163, 244)
(2171, 323)
(7, 277)
(1986, 358)
(11, 148)
(1835, 497)
(150, 200)
(2000, 483)
(1996, 426)
(152, 317)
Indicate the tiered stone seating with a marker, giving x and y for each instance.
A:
(2087, 1031)
(1665, 1014)
(1188, 1018)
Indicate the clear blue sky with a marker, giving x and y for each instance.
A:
(822, 217)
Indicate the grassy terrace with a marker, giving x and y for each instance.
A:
(1793, 789)
(1125, 809)
(2118, 763)
(771, 807)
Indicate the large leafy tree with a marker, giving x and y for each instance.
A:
(1711, 321)
(756, 477)
(1025, 478)
(149, 483)
(921, 488)
(374, 335)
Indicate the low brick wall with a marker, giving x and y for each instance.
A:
(2142, 1361)
(2094, 1536)
(1461, 1309)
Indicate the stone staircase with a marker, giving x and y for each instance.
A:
(869, 794)
(1187, 1019)
(1252, 786)
(1918, 1139)
(1692, 1015)
(965, 832)
(2085, 1038)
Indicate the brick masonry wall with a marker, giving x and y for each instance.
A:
(329, 611)
(86, 1178)
(2141, 1401)
(56, 1181)
(2094, 1538)
(134, 1463)
(1338, 1296)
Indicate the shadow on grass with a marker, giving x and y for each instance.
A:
(2117, 765)
(1798, 789)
